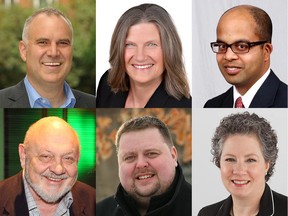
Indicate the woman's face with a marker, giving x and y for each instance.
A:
(143, 55)
(243, 167)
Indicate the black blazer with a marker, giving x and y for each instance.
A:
(271, 202)
(160, 99)
(13, 200)
(17, 97)
(272, 94)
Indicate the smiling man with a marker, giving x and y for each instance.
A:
(46, 48)
(151, 180)
(48, 184)
(243, 49)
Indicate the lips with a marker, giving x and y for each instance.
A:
(240, 182)
(232, 70)
(146, 66)
(144, 177)
(53, 64)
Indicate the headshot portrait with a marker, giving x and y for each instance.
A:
(240, 162)
(148, 155)
(241, 54)
(52, 60)
(48, 165)
(145, 62)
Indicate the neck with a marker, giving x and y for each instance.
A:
(139, 95)
(53, 92)
(142, 204)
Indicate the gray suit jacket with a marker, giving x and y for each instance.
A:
(17, 97)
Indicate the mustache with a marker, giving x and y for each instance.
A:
(54, 176)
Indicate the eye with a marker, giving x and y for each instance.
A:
(45, 158)
(221, 46)
(41, 42)
(68, 160)
(64, 43)
(152, 154)
(152, 44)
(129, 45)
(129, 158)
(241, 46)
(230, 159)
(251, 160)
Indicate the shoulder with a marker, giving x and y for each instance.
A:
(224, 100)
(107, 206)
(280, 200)
(211, 210)
(84, 100)
(83, 190)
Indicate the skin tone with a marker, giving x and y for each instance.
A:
(48, 56)
(50, 163)
(241, 70)
(243, 169)
(144, 63)
(146, 165)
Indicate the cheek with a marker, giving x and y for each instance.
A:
(72, 171)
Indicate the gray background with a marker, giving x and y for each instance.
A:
(207, 187)
(207, 81)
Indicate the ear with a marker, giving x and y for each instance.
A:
(22, 49)
(267, 167)
(268, 48)
(22, 155)
(174, 155)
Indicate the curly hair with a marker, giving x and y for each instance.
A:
(246, 124)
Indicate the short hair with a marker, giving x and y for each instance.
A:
(263, 21)
(142, 123)
(175, 79)
(49, 11)
(246, 124)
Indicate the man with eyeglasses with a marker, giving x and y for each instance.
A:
(243, 48)
(48, 183)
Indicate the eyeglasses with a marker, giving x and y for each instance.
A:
(238, 47)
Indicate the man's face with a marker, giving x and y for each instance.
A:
(50, 163)
(48, 51)
(146, 163)
(241, 70)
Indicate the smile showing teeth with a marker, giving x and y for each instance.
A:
(52, 63)
(240, 182)
(143, 66)
(144, 177)
(52, 179)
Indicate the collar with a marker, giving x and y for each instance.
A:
(36, 101)
(249, 95)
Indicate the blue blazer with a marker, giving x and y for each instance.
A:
(272, 94)
(17, 97)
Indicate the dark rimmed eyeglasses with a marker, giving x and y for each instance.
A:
(238, 47)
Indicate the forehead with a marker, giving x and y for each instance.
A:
(242, 144)
(43, 22)
(143, 29)
(55, 139)
(141, 140)
(237, 25)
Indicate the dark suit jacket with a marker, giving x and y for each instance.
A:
(17, 97)
(13, 200)
(269, 204)
(160, 99)
(272, 93)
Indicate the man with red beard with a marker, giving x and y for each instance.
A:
(243, 49)
(151, 180)
(48, 183)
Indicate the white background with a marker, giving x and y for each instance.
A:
(208, 81)
(207, 187)
(109, 11)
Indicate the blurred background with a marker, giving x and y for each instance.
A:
(109, 120)
(15, 122)
(13, 14)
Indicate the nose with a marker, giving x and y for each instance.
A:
(230, 55)
(57, 167)
(239, 168)
(53, 50)
(141, 162)
(140, 54)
